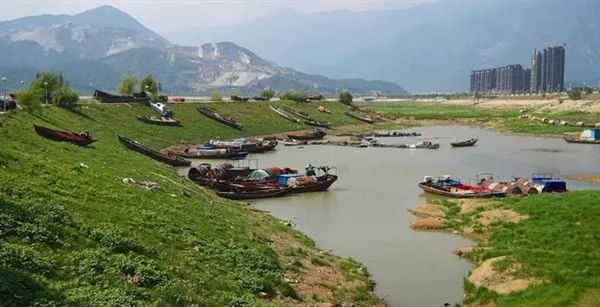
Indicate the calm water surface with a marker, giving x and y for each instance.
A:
(364, 214)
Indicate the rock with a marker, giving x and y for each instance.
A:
(463, 251)
(551, 122)
(597, 125)
(262, 294)
(428, 223)
(564, 123)
(579, 124)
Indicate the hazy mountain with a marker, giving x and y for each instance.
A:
(430, 47)
(98, 46)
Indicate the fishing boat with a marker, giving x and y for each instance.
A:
(425, 145)
(203, 152)
(317, 123)
(454, 188)
(299, 183)
(284, 114)
(167, 159)
(293, 143)
(549, 183)
(227, 120)
(243, 144)
(591, 136)
(105, 97)
(580, 141)
(161, 109)
(323, 109)
(263, 193)
(300, 114)
(163, 121)
(81, 139)
(466, 143)
(317, 134)
(363, 118)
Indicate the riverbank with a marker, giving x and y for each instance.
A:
(75, 232)
(533, 251)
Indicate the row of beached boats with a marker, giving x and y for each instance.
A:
(487, 187)
(243, 182)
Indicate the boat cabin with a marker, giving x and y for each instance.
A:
(550, 182)
(590, 135)
(444, 180)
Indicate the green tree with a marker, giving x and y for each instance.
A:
(127, 85)
(48, 81)
(267, 93)
(235, 92)
(31, 99)
(345, 97)
(150, 82)
(216, 97)
(65, 97)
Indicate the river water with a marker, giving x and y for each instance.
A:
(364, 215)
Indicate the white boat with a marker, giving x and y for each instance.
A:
(161, 109)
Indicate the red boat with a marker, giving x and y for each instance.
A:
(81, 139)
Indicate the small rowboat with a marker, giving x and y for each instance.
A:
(466, 143)
(135, 146)
(163, 121)
(314, 135)
(580, 141)
(256, 194)
(64, 136)
(317, 123)
(284, 114)
(227, 120)
(363, 118)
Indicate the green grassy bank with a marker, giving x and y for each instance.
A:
(503, 120)
(555, 247)
(72, 236)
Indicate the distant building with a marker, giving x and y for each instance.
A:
(508, 79)
(548, 70)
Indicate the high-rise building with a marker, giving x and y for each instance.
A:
(506, 79)
(548, 70)
(483, 81)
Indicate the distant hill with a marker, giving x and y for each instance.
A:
(95, 48)
(426, 48)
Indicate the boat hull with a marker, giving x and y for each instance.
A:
(467, 143)
(253, 194)
(306, 137)
(105, 97)
(443, 192)
(63, 136)
(364, 119)
(214, 115)
(157, 121)
(323, 184)
(173, 161)
(580, 141)
(284, 114)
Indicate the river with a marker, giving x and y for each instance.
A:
(364, 215)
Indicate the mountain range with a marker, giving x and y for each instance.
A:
(94, 49)
(426, 48)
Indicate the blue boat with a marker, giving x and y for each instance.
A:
(550, 182)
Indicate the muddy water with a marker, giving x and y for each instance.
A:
(364, 215)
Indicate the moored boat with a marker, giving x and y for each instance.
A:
(300, 114)
(163, 121)
(363, 118)
(167, 159)
(294, 143)
(81, 139)
(454, 188)
(317, 134)
(580, 141)
(284, 114)
(466, 143)
(317, 123)
(591, 136)
(105, 97)
(161, 109)
(202, 153)
(257, 194)
(425, 145)
(227, 120)
(299, 183)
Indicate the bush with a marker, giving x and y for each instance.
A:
(31, 100)
(345, 98)
(65, 97)
(216, 97)
(267, 93)
(298, 96)
(150, 82)
(127, 85)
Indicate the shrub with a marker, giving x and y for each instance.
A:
(216, 97)
(65, 97)
(345, 98)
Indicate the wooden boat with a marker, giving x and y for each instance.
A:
(161, 109)
(227, 120)
(300, 114)
(284, 114)
(466, 143)
(425, 145)
(363, 118)
(262, 193)
(135, 146)
(258, 98)
(459, 190)
(105, 97)
(194, 153)
(80, 139)
(314, 135)
(163, 121)
(237, 98)
(317, 123)
(580, 141)
(293, 143)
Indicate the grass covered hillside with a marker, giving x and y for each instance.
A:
(76, 236)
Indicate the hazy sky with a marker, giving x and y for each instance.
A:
(164, 16)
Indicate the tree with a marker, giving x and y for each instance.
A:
(65, 97)
(127, 85)
(216, 97)
(234, 92)
(148, 81)
(345, 97)
(31, 99)
(267, 93)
